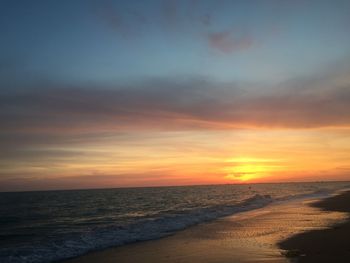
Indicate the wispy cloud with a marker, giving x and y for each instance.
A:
(183, 19)
(227, 42)
(46, 130)
(92, 180)
(175, 105)
(41, 122)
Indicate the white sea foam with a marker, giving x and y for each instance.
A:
(90, 237)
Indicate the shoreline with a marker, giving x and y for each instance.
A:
(251, 236)
(324, 245)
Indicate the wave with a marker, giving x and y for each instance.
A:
(146, 229)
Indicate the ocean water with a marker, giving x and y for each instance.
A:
(56, 225)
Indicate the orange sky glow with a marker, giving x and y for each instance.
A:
(194, 157)
(97, 94)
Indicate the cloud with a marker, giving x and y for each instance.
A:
(227, 42)
(47, 129)
(53, 114)
(238, 176)
(182, 19)
(94, 179)
(175, 105)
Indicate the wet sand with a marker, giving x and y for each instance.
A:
(246, 237)
(326, 245)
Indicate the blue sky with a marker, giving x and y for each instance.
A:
(124, 93)
(114, 41)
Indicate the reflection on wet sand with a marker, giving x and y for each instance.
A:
(246, 237)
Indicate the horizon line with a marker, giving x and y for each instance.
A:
(168, 186)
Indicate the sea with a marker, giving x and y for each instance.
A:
(50, 226)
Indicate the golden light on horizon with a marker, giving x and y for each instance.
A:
(192, 157)
(249, 168)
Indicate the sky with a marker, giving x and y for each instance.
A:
(98, 94)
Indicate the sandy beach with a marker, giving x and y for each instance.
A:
(324, 245)
(269, 234)
(174, 131)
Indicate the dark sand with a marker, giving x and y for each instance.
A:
(325, 245)
(246, 237)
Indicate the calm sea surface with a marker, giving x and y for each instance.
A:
(54, 225)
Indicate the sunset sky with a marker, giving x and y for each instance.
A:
(148, 93)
